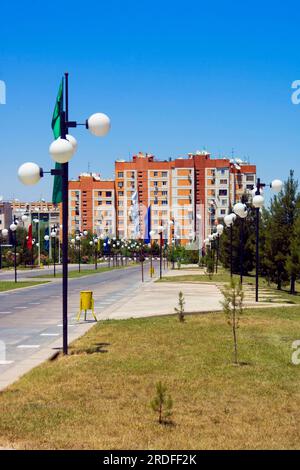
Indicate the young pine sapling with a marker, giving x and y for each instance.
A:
(180, 309)
(162, 403)
(233, 309)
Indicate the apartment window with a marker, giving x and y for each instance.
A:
(108, 203)
(121, 193)
(164, 203)
(155, 183)
(120, 213)
(164, 183)
(120, 184)
(120, 174)
(249, 186)
(164, 174)
(222, 181)
(155, 173)
(108, 193)
(224, 202)
(99, 203)
(120, 203)
(223, 211)
(249, 177)
(222, 192)
(164, 193)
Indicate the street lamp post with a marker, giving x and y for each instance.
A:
(77, 238)
(13, 229)
(220, 229)
(229, 220)
(38, 232)
(199, 238)
(53, 235)
(160, 231)
(258, 202)
(62, 151)
(240, 209)
(94, 243)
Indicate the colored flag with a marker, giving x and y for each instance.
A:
(29, 239)
(46, 242)
(56, 128)
(135, 213)
(147, 223)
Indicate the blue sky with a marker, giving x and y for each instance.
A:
(173, 76)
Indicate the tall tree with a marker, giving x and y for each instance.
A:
(279, 230)
(248, 242)
(293, 259)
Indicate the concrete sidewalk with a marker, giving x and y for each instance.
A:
(161, 298)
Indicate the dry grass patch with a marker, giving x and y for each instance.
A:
(99, 396)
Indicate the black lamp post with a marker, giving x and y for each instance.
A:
(62, 151)
(13, 229)
(229, 220)
(94, 243)
(240, 209)
(53, 235)
(220, 229)
(160, 231)
(258, 202)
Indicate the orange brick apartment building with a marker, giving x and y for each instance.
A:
(194, 192)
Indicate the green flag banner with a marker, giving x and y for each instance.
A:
(56, 128)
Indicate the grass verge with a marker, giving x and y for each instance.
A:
(98, 397)
(74, 274)
(224, 277)
(11, 285)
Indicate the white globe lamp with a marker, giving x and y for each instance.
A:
(98, 124)
(29, 173)
(258, 201)
(61, 150)
(276, 185)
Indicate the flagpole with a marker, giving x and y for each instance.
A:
(65, 209)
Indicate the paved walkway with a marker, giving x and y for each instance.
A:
(161, 298)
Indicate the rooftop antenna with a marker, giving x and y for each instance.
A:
(89, 167)
(232, 153)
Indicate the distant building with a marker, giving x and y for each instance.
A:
(92, 205)
(195, 192)
(48, 212)
(5, 214)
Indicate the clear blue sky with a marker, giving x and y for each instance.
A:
(173, 76)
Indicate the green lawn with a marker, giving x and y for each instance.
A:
(98, 397)
(10, 285)
(224, 277)
(75, 273)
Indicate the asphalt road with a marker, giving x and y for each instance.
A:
(9, 275)
(31, 318)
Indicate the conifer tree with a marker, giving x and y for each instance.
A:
(293, 259)
(279, 233)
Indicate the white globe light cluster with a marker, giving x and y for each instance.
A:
(240, 209)
(258, 201)
(29, 173)
(98, 124)
(229, 219)
(62, 150)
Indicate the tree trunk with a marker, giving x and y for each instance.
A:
(279, 283)
(234, 339)
(293, 284)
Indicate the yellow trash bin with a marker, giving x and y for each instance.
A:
(86, 303)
